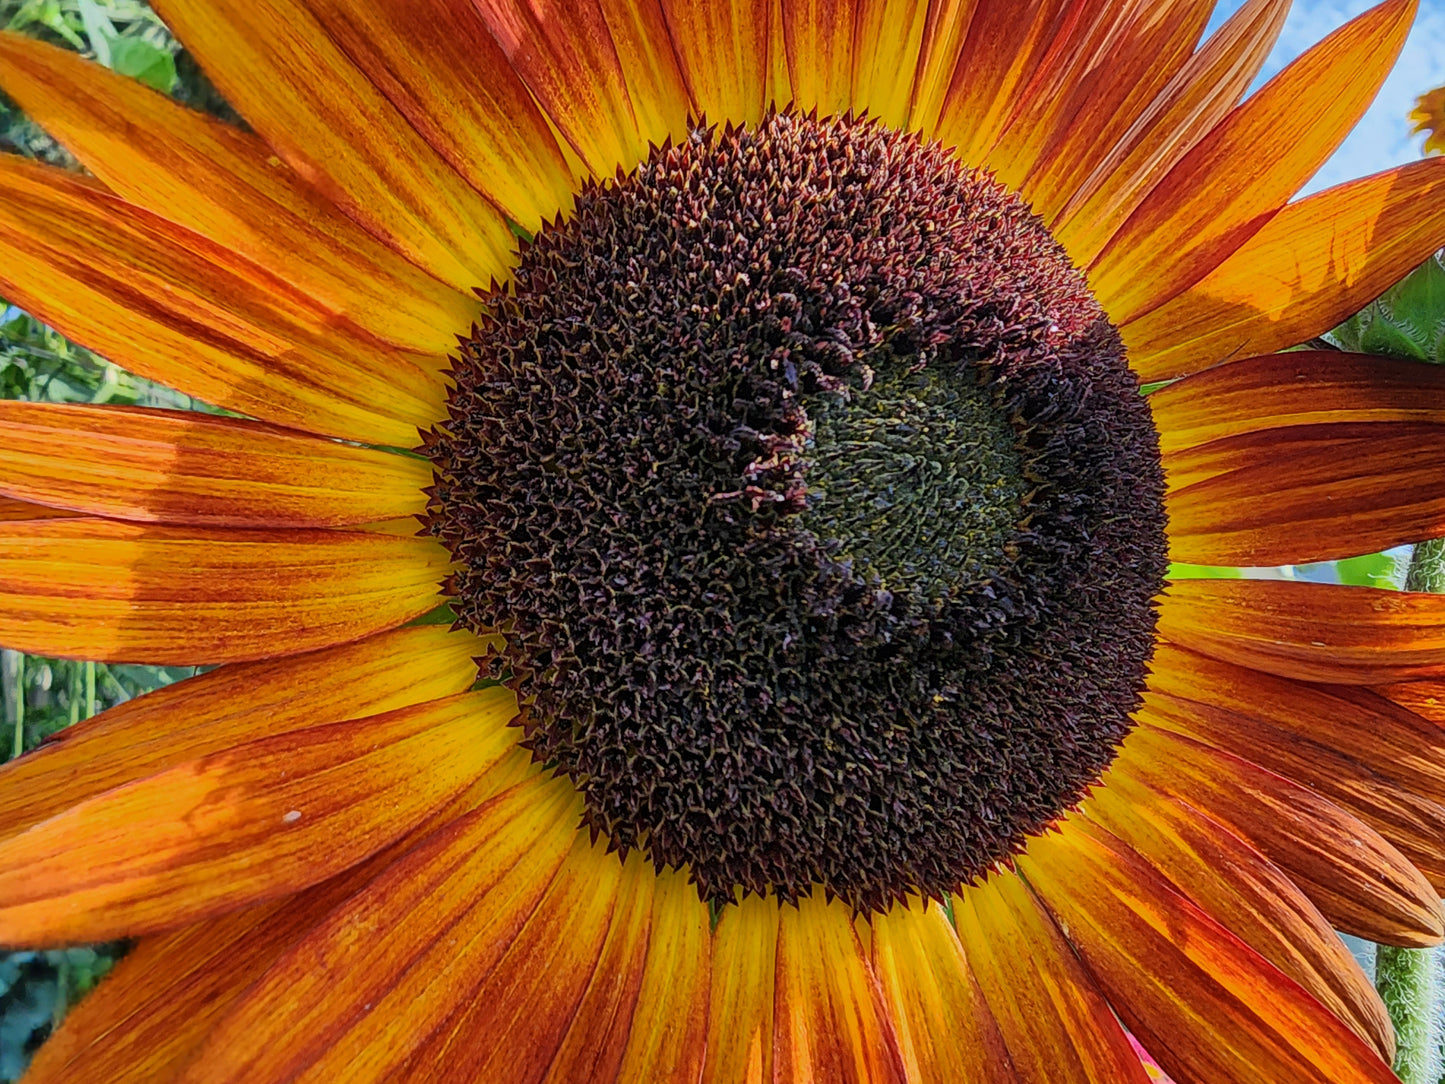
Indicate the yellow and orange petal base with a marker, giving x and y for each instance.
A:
(336, 860)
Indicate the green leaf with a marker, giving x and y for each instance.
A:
(141, 60)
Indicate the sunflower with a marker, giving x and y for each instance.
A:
(785, 681)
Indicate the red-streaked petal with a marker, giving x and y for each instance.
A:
(1206, 207)
(829, 1018)
(1298, 387)
(1110, 70)
(1307, 493)
(1357, 879)
(123, 592)
(167, 466)
(945, 30)
(252, 823)
(889, 35)
(173, 307)
(597, 1039)
(1198, 97)
(1053, 1018)
(438, 65)
(1203, 1003)
(818, 36)
(1313, 264)
(1005, 43)
(563, 51)
(511, 1016)
(295, 86)
(723, 48)
(649, 62)
(944, 1028)
(400, 955)
(226, 185)
(669, 1022)
(230, 706)
(1309, 631)
(1246, 893)
(740, 1017)
(1383, 733)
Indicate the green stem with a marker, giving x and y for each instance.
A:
(12, 678)
(1410, 980)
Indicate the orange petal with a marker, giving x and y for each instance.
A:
(563, 51)
(251, 823)
(295, 86)
(723, 49)
(740, 1018)
(1309, 631)
(1203, 1003)
(830, 1022)
(396, 959)
(1006, 41)
(438, 65)
(1199, 96)
(226, 185)
(166, 466)
(669, 1022)
(889, 36)
(232, 705)
(597, 1039)
(1414, 823)
(501, 1021)
(1299, 387)
(1203, 211)
(649, 64)
(945, 1031)
(175, 308)
(1109, 68)
(1307, 493)
(1245, 892)
(945, 30)
(818, 36)
(1315, 263)
(121, 592)
(1056, 1023)
(1388, 738)
(11, 509)
(1361, 883)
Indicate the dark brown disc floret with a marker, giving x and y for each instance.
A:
(817, 507)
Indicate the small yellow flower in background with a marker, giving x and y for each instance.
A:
(812, 703)
(1429, 117)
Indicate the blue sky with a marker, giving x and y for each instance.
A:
(1383, 137)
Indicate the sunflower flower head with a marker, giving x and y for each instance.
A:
(758, 384)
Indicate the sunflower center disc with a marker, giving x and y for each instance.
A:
(817, 507)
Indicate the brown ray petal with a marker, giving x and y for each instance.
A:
(1204, 1004)
(125, 592)
(740, 1015)
(230, 706)
(945, 1030)
(563, 51)
(724, 50)
(166, 466)
(1358, 880)
(1309, 631)
(251, 823)
(1056, 1023)
(1200, 213)
(1315, 263)
(1251, 897)
(401, 955)
(295, 86)
(830, 1021)
(1197, 98)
